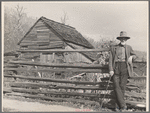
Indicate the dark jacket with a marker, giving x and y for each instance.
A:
(113, 58)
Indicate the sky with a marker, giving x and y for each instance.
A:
(97, 19)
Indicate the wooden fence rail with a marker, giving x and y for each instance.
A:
(51, 86)
(62, 50)
(54, 80)
(59, 70)
(67, 65)
(67, 81)
(62, 65)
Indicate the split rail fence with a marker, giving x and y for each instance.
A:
(52, 89)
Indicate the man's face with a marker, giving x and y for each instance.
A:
(123, 41)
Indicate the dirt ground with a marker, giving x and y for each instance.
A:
(13, 105)
(20, 104)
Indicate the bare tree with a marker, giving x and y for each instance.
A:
(16, 24)
(64, 18)
(104, 42)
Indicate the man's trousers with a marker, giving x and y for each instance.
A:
(119, 81)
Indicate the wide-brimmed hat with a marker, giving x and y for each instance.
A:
(123, 34)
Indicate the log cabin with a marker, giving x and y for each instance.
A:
(47, 34)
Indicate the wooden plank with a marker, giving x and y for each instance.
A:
(42, 32)
(135, 77)
(30, 37)
(62, 50)
(51, 86)
(131, 83)
(56, 80)
(138, 77)
(47, 35)
(11, 66)
(59, 70)
(57, 41)
(7, 64)
(6, 90)
(55, 47)
(141, 62)
(38, 91)
(135, 95)
(33, 33)
(10, 54)
(40, 22)
(30, 58)
(56, 44)
(43, 29)
(32, 46)
(40, 27)
(62, 65)
(7, 57)
(36, 44)
(54, 98)
(32, 43)
(131, 88)
(36, 41)
(135, 103)
(27, 44)
(29, 54)
(53, 37)
(45, 47)
(42, 37)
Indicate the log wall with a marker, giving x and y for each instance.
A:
(41, 37)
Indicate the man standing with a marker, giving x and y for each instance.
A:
(120, 67)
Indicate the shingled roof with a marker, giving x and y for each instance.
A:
(65, 32)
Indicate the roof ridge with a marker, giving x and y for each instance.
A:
(56, 22)
(47, 21)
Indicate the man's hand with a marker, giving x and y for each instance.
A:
(130, 59)
(111, 73)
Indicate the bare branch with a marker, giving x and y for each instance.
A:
(64, 18)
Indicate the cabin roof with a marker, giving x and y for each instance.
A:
(65, 32)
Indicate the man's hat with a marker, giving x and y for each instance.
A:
(123, 34)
